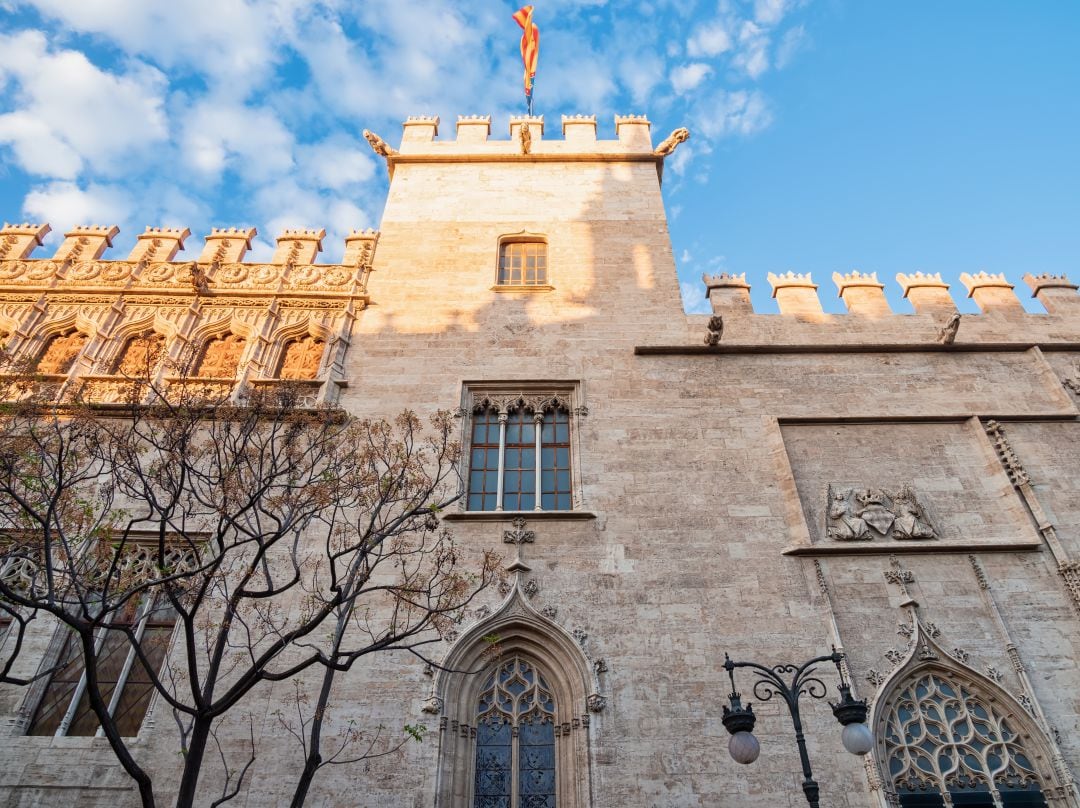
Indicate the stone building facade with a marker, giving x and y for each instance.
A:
(904, 487)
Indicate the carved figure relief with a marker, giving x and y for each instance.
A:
(861, 514)
(60, 353)
(141, 356)
(301, 358)
(221, 356)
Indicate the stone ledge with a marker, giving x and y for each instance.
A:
(502, 516)
(926, 547)
(853, 347)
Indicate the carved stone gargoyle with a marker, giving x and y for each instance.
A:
(672, 141)
(378, 145)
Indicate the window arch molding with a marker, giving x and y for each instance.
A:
(526, 634)
(928, 665)
(46, 333)
(150, 326)
(286, 334)
(202, 336)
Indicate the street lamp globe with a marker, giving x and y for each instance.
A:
(744, 747)
(857, 738)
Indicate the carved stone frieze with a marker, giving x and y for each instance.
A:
(595, 702)
(519, 535)
(863, 514)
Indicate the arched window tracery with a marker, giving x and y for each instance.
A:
(515, 739)
(945, 742)
(301, 358)
(141, 355)
(221, 356)
(60, 352)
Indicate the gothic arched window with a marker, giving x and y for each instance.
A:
(221, 356)
(60, 352)
(301, 358)
(141, 355)
(947, 744)
(515, 739)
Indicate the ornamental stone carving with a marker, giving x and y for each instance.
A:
(595, 702)
(856, 514)
(301, 358)
(221, 356)
(60, 353)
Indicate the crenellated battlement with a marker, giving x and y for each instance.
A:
(160, 245)
(863, 294)
(420, 140)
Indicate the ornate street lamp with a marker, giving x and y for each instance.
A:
(739, 721)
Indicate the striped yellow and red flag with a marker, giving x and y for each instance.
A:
(530, 47)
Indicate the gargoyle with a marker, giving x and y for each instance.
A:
(378, 145)
(526, 138)
(716, 330)
(669, 144)
(947, 335)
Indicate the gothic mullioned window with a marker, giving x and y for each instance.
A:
(523, 263)
(60, 352)
(124, 681)
(942, 737)
(301, 358)
(221, 356)
(519, 449)
(515, 739)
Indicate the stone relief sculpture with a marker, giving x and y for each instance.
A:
(672, 141)
(526, 138)
(863, 514)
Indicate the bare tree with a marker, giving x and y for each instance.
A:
(251, 528)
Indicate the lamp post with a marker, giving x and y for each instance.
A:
(739, 721)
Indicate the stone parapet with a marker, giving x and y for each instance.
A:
(634, 131)
(18, 241)
(795, 293)
(419, 129)
(86, 242)
(159, 244)
(862, 293)
(991, 292)
(927, 292)
(579, 129)
(536, 126)
(227, 245)
(473, 128)
(727, 292)
(298, 246)
(1056, 292)
(360, 247)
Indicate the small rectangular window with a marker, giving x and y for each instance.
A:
(523, 263)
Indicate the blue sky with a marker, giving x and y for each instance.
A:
(827, 135)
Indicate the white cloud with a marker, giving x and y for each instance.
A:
(336, 163)
(230, 40)
(733, 113)
(71, 116)
(790, 44)
(687, 77)
(66, 204)
(681, 159)
(685, 257)
(693, 297)
(251, 141)
(710, 39)
(753, 53)
(770, 12)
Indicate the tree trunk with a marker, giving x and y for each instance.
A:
(200, 735)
